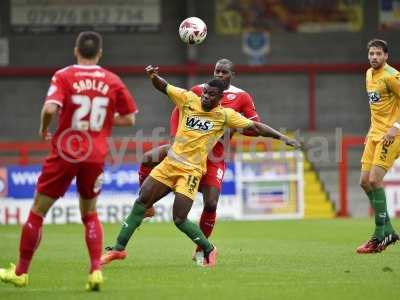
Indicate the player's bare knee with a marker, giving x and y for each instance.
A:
(38, 210)
(87, 206)
(365, 184)
(146, 193)
(375, 183)
(211, 196)
(375, 180)
(144, 201)
(211, 205)
(42, 204)
(147, 159)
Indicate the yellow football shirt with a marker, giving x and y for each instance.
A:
(383, 88)
(199, 130)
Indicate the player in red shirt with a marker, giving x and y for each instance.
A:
(89, 100)
(211, 182)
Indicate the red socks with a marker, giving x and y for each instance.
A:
(94, 239)
(206, 224)
(32, 233)
(30, 239)
(143, 173)
(207, 221)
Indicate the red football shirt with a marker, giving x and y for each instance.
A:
(234, 98)
(88, 97)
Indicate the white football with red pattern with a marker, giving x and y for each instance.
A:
(193, 30)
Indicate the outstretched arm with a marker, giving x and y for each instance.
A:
(264, 130)
(158, 82)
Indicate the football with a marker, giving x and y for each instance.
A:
(193, 30)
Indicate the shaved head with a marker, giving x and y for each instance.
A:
(224, 71)
(226, 62)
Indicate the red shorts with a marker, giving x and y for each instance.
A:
(57, 175)
(215, 174)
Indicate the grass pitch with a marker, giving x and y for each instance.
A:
(257, 260)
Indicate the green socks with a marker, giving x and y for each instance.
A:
(129, 226)
(196, 235)
(383, 225)
(135, 218)
(370, 195)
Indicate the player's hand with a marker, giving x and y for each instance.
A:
(45, 135)
(388, 138)
(293, 143)
(151, 71)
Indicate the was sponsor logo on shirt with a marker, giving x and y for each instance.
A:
(196, 123)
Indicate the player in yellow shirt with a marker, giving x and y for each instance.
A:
(382, 145)
(202, 122)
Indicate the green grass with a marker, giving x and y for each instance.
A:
(257, 260)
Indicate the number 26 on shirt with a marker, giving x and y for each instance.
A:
(97, 108)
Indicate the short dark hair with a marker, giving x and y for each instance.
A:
(221, 85)
(89, 43)
(378, 44)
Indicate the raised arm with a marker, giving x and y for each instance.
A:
(158, 82)
(264, 130)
